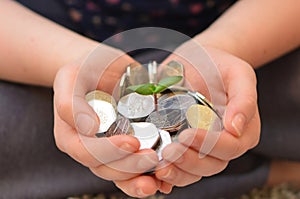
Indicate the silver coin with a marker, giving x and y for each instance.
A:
(124, 83)
(135, 74)
(170, 120)
(173, 68)
(179, 101)
(134, 106)
(120, 126)
(200, 99)
(146, 133)
(105, 107)
(152, 72)
(165, 139)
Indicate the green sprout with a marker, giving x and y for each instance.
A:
(154, 89)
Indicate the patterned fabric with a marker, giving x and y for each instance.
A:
(100, 19)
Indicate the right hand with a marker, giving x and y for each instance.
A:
(116, 158)
(182, 164)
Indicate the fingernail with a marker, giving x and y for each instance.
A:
(85, 124)
(127, 147)
(168, 175)
(238, 123)
(140, 192)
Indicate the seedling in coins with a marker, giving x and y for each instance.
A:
(154, 89)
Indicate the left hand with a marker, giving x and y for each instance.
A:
(125, 164)
(182, 164)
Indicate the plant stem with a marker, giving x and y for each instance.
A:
(155, 101)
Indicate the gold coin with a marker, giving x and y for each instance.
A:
(105, 107)
(199, 116)
(100, 95)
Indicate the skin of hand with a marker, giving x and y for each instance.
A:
(182, 164)
(254, 31)
(116, 158)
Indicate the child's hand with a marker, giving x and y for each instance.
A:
(241, 120)
(116, 158)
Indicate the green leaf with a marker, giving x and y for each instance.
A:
(143, 89)
(169, 81)
(159, 88)
(166, 82)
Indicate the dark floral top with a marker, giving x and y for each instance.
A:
(100, 19)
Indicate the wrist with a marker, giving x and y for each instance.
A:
(215, 39)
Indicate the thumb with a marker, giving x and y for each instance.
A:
(73, 82)
(70, 103)
(242, 99)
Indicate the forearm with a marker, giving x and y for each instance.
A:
(257, 31)
(33, 48)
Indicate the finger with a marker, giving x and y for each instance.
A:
(140, 187)
(64, 134)
(70, 103)
(165, 187)
(73, 82)
(188, 160)
(128, 167)
(226, 147)
(93, 152)
(242, 98)
(175, 176)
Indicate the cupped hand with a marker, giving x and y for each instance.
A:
(199, 152)
(116, 158)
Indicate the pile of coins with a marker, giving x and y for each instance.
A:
(154, 122)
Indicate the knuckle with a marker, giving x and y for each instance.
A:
(255, 135)
(79, 153)
(60, 76)
(237, 150)
(58, 142)
(251, 101)
(60, 145)
(254, 142)
(63, 105)
(220, 166)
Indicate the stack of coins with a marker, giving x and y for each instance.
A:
(154, 125)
